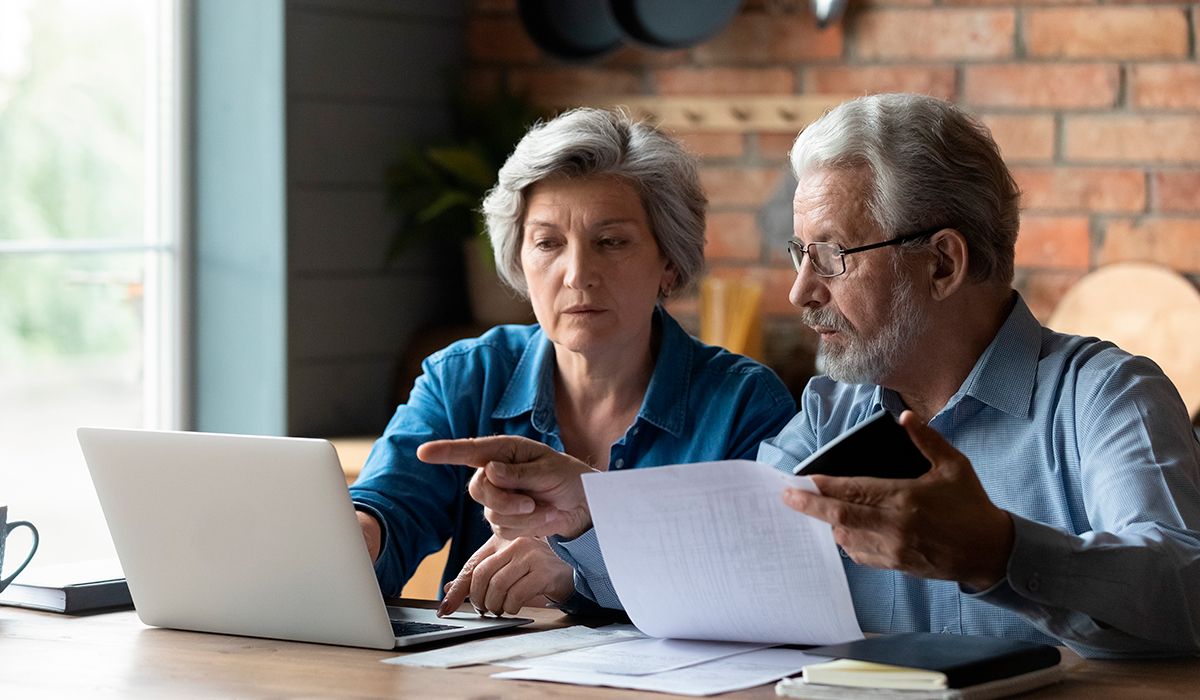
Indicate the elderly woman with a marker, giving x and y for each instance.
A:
(596, 218)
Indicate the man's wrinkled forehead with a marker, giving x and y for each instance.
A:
(832, 202)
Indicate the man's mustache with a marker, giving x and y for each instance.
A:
(825, 317)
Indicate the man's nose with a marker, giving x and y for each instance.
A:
(809, 288)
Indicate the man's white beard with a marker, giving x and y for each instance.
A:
(868, 361)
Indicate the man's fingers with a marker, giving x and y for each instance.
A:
(855, 489)
(497, 499)
(831, 510)
(929, 441)
(541, 522)
(476, 452)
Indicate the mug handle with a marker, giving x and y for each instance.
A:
(33, 548)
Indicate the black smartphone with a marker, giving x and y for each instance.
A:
(879, 446)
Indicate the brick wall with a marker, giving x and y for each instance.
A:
(1095, 104)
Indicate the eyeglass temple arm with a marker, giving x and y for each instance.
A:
(895, 241)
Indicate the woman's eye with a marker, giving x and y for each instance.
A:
(544, 244)
(611, 242)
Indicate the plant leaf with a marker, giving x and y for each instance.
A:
(466, 164)
(446, 201)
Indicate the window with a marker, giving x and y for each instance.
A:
(91, 329)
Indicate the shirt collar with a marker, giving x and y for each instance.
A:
(1004, 376)
(666, 399)
(531, 387)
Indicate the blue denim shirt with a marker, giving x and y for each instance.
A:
(703, 403)
(1092, 452)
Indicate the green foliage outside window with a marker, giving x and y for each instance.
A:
(71, 168)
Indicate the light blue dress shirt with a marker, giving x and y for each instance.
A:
(702, 403)
(1092, 452)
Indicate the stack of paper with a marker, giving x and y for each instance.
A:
(708, 561)
(517, 646)
(618, 656)
(710, 551)
(723, 675)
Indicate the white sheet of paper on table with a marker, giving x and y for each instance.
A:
(485, 651)
(637, 657)
(710, 551)
(721, 676)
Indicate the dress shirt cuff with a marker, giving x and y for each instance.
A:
(578, 603)
(1039, 566)
(383, 532)
(591, 574)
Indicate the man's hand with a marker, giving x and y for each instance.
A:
(372, 533)
(504, 576)
(941, 525)
(526, 488)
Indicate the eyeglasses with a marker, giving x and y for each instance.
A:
(829, 259)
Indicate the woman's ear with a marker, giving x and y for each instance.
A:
(951, 263)
(669, 280)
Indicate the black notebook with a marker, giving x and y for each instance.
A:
(70, 588)
(965, 660)
(879, 446)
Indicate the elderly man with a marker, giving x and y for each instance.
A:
(1064, 499)
(1063, 504)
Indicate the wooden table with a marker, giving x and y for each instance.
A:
(43, 655)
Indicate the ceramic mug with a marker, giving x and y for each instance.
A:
(5, 528)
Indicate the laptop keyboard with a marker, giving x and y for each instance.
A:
(402, 628)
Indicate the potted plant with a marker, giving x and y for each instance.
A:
(437, 190)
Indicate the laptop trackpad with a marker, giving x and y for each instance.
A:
(419, 625)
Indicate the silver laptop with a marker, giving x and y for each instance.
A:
(251, 536)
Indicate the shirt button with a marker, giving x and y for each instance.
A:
(635, 430)
(1033, 583)
(842, 552)
(619, 463)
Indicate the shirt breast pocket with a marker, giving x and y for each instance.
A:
(874, 595)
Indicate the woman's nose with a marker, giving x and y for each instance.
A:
(581, 270)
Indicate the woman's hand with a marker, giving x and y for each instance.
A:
(504, 576)
(372, 533)
(526, 488)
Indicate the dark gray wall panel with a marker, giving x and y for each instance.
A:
(353, 397)
(358, 317)
(351, 144)
(384, 9)
(338, 230)
(365, 78)
(364, 58)
(346, 231)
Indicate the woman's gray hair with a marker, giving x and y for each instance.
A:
(590, 142)
(931, 163)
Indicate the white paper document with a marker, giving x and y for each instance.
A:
(721, 676)
(637, 657)
(486, 651)
(710, 551)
